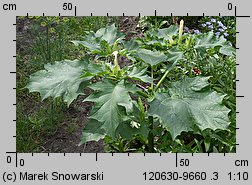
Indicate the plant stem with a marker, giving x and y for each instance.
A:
(143, 94)
(150, 136)
(152, 77)
(161, 80)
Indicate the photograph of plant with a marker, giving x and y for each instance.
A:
(126, 84)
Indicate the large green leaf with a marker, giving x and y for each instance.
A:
(58, 79)
(208, 40)
(165, 33)
(93, 69)
(131, 45)
(151, 57)
(109, 34)
(188, 104)
(92, 131)
(108, 97)
(140, 74)
(90, 42)
(103, 42)
(174, 55)
(227, 50)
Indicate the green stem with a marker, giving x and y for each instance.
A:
(143, 94)
(161, 80)
(151, 137)
(152, 78)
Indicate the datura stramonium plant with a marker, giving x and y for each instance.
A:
(185, 105)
